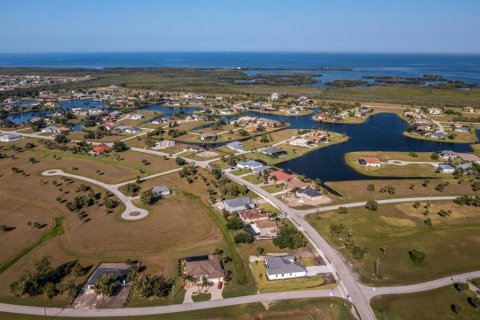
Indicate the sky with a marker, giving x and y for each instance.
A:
(402, 26)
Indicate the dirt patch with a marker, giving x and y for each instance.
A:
(207, 154)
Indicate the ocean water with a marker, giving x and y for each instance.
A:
(453, 67)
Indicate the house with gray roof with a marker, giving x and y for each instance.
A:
(238, 204)
(209, 136)
(284, 267)
(445, 168)
(10, 137)
(251, 164)
(235, 145)
(119, 270)
(274, 152)
(308, 193)
(161, 191)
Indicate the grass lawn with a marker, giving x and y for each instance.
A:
(274, 137)
(176, 297)
(400, 228)
(350, 192)
(274, 188)
(201, 297)
(265, 285)
(459, 138)
(239, 172)
(388, 170)
(253, 178)
(434, 304)
(325, 308)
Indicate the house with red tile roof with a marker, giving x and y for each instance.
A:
(100, 149)
(252, 215)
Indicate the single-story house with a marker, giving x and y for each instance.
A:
(193, 147)
(461, 129)
(274, 152)
(435, 111)
(300, 142)
(164, 144)
(445, 168)
(252, 215)
(284, 267)
(251, 164)
(469, 109)
(119, 270)
(235, 145)
(251, 128)
(262, 169)
(263, 229)
(109, 126)
(308, 193)
(370, 162)
(281, 176)
(161, 191)
(209, 136)
(412, 114)
(438, 135)
(238, 204)
(448, 154)
(100, 149)
(10, 137)
(132, 130)
(136, 116)
(49, 129)
(204, 267)
(296, 183)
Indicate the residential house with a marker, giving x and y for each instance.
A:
(209, 136)
(132, 130)
(263, 229)
(238, 204)
(447, 154)
(204, 268)
(161, 191)
(100, 149)
(412, 115)
(301, 142)
(8, 137)
(274, 152)
(438, 135)
(252, 215)
(445, 168)
(163, 144)
(109, 126)
(262, 169)
(235, 146)
(275, 96)
(309, 193)
(136, 116)
(251, 164)
(469, 109)
(269, 122)
(119, 270)
(370, 162)
(284, 267)
(468, 157)
(435, 111)
(49, 129)
(193, 148)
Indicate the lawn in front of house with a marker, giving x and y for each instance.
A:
(434, 304)
(265, 285)
(400, 228)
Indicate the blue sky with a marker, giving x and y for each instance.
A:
(241, 25)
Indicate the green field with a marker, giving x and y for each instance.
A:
(400, 228)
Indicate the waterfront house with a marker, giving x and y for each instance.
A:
(161, 191)
(235, 145)
(370, 162)
(238, 204)
(136, 116)
(309, 193)
(274, 152)
(201, 268)
(468, 157)
(49, 129)
(262, 169)
(284, 267)
(209, 136)
(163, 144)
(301, 142)
(438, 135)
(447, 154)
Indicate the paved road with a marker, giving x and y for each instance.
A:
(124, 312)
(419, 287)
(131, 212)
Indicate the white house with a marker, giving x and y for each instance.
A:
(136, 116)
(251, 164)
(445, 168)
(301, 142)
(208, 136)
(370, 162)
(238, 204)
(285, 267)
(161, 191)
(235, 145)
(10, 137)
(164, 144)
(275, 96)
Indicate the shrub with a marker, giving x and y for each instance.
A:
(417, 256)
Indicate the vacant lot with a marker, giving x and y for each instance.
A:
(358, 191)
(434, 304)
(400, 228)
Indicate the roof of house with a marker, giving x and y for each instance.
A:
(160, 189)
(101, 148)
(11, 136)
(310, 192)
(235, 144)
(252, 214)
(261, 169)
(445, 166)
(264, 224)
(121, 270)
(203, 266)
(209, 135)
(250, 163)
(238, 202)
(282, 175)
(284, 264)
(370, 159)
(272, 150)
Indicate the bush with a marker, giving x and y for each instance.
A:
(342, 210)
(235, 223)
(119, 146)
(243, 237)
(417, 256)
(460, 286)
(372, 205)
(289, 237)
